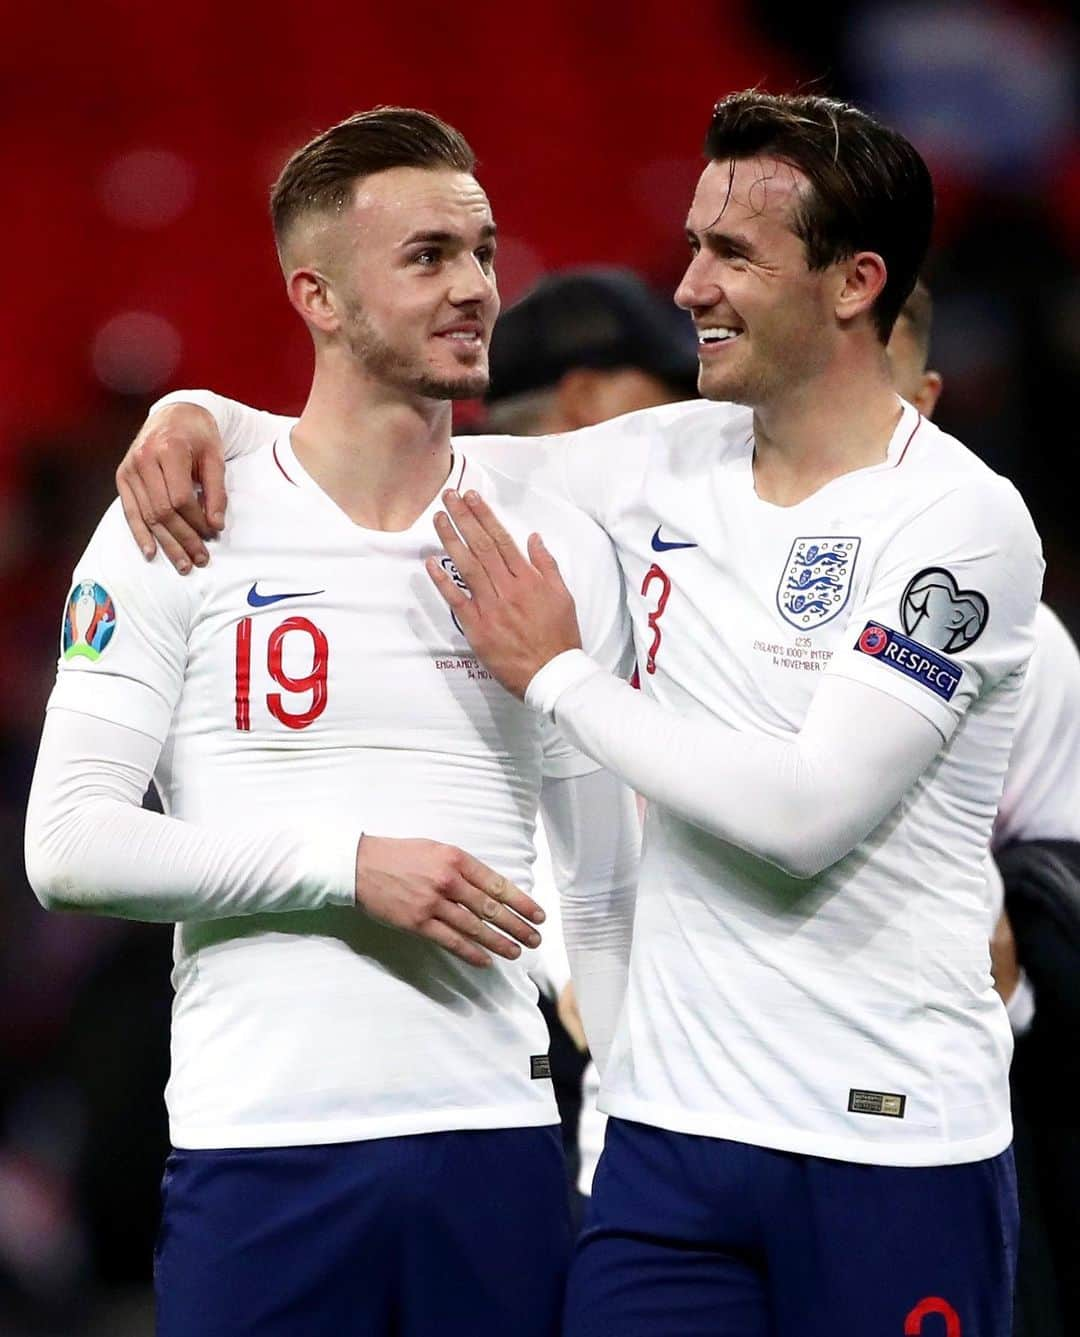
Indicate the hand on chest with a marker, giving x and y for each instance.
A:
(743, 597)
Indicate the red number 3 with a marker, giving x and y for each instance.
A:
(313, 682)
(654, 574)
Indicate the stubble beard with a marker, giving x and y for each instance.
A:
(762, 378)
(387, 364)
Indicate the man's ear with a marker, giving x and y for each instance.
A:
(863, 277)
(576, 397)
(928, 394)
(313, 298)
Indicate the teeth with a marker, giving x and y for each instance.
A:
(717, 334)
(470, 335)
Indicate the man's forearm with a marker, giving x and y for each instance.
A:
(91, 847)
(762, 793)
(243, 429)
(593, 830)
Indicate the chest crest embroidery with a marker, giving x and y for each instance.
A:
(816, 579)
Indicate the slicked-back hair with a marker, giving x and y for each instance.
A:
(870, 189)
(321, 176)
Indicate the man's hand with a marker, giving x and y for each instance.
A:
(570, 1016)
(1004, 965)
(178, 446)
(445, 895)
(520, 614)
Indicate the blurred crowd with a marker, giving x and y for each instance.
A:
(986, 92)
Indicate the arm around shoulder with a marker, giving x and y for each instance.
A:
(172, 479)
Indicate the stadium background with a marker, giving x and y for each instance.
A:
(138, 144)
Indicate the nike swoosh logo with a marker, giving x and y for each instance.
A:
(658, 544)
(257, 600)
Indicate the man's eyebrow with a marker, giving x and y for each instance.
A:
(443, 238)
(715, 238)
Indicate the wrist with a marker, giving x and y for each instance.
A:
(557, 676)
(192, 407)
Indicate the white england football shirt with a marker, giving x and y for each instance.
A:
(311, 675)
(1041, 799)
(853, 1014)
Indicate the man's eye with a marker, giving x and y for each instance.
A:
(427, 258)
(486, 256)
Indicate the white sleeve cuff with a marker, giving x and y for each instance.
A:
(557, 676)
(328, 857)
(1021, 1006)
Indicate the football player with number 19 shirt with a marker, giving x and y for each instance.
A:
(352, 1107)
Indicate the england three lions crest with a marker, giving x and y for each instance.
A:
(816, 580)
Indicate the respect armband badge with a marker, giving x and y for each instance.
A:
(908, 657)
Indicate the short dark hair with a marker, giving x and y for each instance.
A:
(871, 190)
(320, 177)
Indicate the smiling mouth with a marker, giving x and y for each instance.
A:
(461, 336)
(714, 335)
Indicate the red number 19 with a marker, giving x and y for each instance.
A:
(313, 682)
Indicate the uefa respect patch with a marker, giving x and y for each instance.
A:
(915, 661)
(89, 621)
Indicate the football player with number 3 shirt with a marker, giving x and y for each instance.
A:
(832, 605)
(360, 1092)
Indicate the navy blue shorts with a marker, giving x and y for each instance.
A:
(462, 1234)
(700, 1237)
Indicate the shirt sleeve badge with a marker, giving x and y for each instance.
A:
(89, 622)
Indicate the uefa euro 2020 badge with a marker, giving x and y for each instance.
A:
(816, 580)
(89, 621)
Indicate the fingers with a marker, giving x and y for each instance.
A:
(487, 538)
(179, 541)
(470, 926)
(490, 524)
(132, 513)
(211, 469)
(159, 535)
(501, 889)
(486, 910)
(456, 943)
(184, 500)
(459, 601)
(469, 568)
(544, 562)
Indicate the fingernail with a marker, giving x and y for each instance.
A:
(539, 917)
(201, 559)
(184, 568)
(148, 553)
(534, 939)
(450, 495)
(472, 498)
(218, 518)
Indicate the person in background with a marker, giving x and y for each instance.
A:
(1036, 842)
(583, 346)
